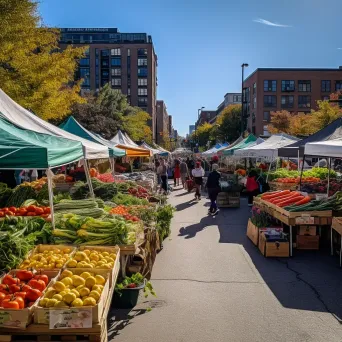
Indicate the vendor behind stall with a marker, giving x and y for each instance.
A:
(252, 186)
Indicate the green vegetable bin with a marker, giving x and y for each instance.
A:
(127, 298)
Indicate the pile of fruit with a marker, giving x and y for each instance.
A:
(73, 290)
(139, 192)
(48, 259)
(124, 211)
(105, 177)
(92, 259)
(297, 180)
(30, 210)
(36, 185)
(240, 172)
(22, 290)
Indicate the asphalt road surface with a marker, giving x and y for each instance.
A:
(214, 285)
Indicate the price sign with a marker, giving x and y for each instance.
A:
(321, 196)
(305, 219)
(71, 318)
(7, 320)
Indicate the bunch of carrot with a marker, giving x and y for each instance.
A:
(285, 198)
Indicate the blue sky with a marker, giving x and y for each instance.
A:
(201, 44)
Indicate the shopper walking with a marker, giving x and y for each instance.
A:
(198, 174)
(213, 186)
(252, 186)
(184, 172)
(162, 171)
(177, 173)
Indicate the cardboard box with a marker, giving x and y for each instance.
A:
(307, 230)
(307, 242)
(273, 248)
(19, 319)
(42, 315)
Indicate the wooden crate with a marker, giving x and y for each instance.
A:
(337, 224)
(307, 242)
(253, 232)
(282, 186)
(274, 248)
(307, 230)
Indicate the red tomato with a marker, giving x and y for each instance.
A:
(13, 209)
(2, 297)
(20, 301)
(2, 214)
(5, 209)
(24, 275)
(4, 289)
(9, 303)
(26, 288)
(14, 288)
(20, 294)
(32, 295)
(37, 284)
(47, 210)
(39, 211)
(31, 208)
(9, 213)
(9, 280)
(23, 211)
(42, 277)
(31, 213)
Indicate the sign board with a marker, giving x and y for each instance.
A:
(321, 196)
(305, 219)
(7, 321)
(75, 318)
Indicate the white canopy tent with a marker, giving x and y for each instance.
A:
(148, 147)
(23, 118)
(268, 149)
(329, 148)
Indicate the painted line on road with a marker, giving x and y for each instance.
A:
(209, 281)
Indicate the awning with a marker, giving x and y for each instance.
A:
(331, 132)
(24, 149)
(21, 117)
(148, 147)
(71, 125)
(122, 141)
(268, 149)
(330, 148)
(242, 144)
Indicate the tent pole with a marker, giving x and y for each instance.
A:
(269, 170)
(90, 185)
(329, 167)
(49, 174)
(301, 173)
(298, 160)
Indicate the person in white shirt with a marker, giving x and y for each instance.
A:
(198, 174)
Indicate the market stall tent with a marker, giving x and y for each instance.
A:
(71, 125)
(330, 148)
(212, 151)
(242, 144)
(21, 117)
(163, 152)
(267, 149)
(330, 132)
(131, 148)
(181, 151)
(24, 149)
(148, 147)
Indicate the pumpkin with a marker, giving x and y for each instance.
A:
(93, 172)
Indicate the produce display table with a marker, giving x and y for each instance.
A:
(318, 218)
(337, 226)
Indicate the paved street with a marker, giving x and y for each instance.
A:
(214, 285)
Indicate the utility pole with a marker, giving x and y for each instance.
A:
(242, 109)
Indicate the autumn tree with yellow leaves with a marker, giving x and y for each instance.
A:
(33, 70)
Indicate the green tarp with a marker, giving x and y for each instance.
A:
(72, 126)
(24, 149)
(242, 144)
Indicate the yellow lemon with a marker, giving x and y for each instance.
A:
(90, 282)
(67, 281)
(100, 280)
(59, 286)
(112, 255)
(87, 252)
(50, 293)
(105, 254)
(51, 302)
(69, 298)
(90, 301)
(61, 304)
(77, 302)
(80, 256)
(94, 294)
(76, 293)
(98, 288)
(57, 296)
(94, 257)
(43, 302)
(77, 280)
(72, 263)
(80, 287)
(66, 250)
(63, 292)
(84, 292)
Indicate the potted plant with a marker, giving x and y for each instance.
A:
(127, 291)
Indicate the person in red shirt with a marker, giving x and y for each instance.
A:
(252, 186)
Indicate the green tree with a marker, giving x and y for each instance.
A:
(228, 124)
(202, 134)
(325, 114)
(136, 125)
(33, 70)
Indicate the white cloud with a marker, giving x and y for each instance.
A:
(269, 23)
(339, 48)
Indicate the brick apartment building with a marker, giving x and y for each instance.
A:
(295, 90)
(126, 61)
(205, 116)
(163, 124)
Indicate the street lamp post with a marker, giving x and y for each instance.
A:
(198, 115)
(242, 111)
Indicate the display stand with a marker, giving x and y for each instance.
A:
(337, 226)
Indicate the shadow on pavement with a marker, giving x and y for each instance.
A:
(310, 280)
(190, 231)
(185, 205)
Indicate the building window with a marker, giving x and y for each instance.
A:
(254, 102)
(270, 85)
(116, 61)
(142, 91)
(287, 85)
(325, 98)
(104, 74)
(104, 53)
(254, 88)
(253, 130)
(325, 86)
(236, 98)
(116, 82)
(115, 52)
(85, 74)
(142, 82)
(84, 62)
(338, 85)
(287, 101)
(128, 52)
(105, 63)
(116, 71)
(142, 61)
(128, 91)
(267, 116)
(304, 86)
(142, 101)
(142, 52)
(266, 132)
(270, 101)
(142, 71)
(253, 118)
(304, 101)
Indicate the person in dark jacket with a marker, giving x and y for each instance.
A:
(213, 186)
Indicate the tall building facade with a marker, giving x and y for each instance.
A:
(191, 129)
(127, 61)
(205, 116)
(163, 130)
(295, 90)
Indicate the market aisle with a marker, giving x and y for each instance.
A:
(213, 285)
